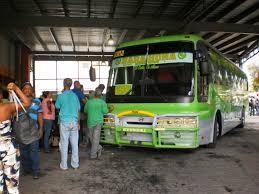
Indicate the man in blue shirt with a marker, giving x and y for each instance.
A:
(30, 153)
(69, 117)
(82, 99)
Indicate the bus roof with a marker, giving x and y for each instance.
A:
(161, 39)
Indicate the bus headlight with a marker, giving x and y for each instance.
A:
(109, 120)
(177, 122)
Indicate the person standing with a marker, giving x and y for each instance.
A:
(69, 117)
(95, 109)
(78, 90)
(102, 87)
(30, 152)
(48, 118)
(9, 152)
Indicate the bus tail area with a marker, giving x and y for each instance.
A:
(148, 130)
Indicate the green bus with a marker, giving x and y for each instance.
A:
(173, 92)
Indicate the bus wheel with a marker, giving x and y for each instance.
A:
(216, 134)
(243, 119)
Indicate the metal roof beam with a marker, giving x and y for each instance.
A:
(122, 36)
(250, 48)
(113, 8)
(244, 13)
(54, 37)
(232, 40)
(222, 37)
(72, 39)
(42, 11)
(65, 8)
(188, 8)
(74, 53)
(104, 38)
(140, 24)
(89, 8)
(208, 10)
(226, 11)
(164, 5)
(139, 6)
(37, 36)
(12, 6)
(72, 58)
(221, 14)
(238, 50)
(243, 43)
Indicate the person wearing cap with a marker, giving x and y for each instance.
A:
(95, 108)
(30, 158)
(69, 116)
(103, 96)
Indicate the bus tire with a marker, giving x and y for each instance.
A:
(243, 119)
(216, 134)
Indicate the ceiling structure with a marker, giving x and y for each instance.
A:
(83, 27)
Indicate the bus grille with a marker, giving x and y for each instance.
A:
(178, 138)
(135, 136)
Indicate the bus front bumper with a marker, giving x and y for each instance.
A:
(180, 138)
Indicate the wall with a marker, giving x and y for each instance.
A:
(15, 61)
(7, 60)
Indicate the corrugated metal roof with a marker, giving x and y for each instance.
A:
(93, 39)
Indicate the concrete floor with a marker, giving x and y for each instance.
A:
(232, 167)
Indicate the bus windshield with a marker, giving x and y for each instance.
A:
(160, 72)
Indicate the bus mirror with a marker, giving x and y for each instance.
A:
(204, 68)
(92, 74)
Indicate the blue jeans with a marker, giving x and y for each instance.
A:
(47, 129)
(30, 156)
(69, 133)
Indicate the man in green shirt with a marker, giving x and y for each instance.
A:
(95, 108)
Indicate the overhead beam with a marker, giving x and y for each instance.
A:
(205, 12)
(122, 36)
(113, 8)
(148, 24)
(37, 36)
(54, 37)
(72, 58)
(232, 40)
(188, 9)
(89, 8)
(164, 5)
(250, 48)
(72, 39)
(243, 43)
(225, 11)
(138, 8)
(12, 6)
(42, 11)
(76, 53)
(65, 8)
(238, 50)
(222, 14)
(244, 13)
(220, 38)
(104, 38)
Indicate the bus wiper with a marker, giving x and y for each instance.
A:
(149, 81)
